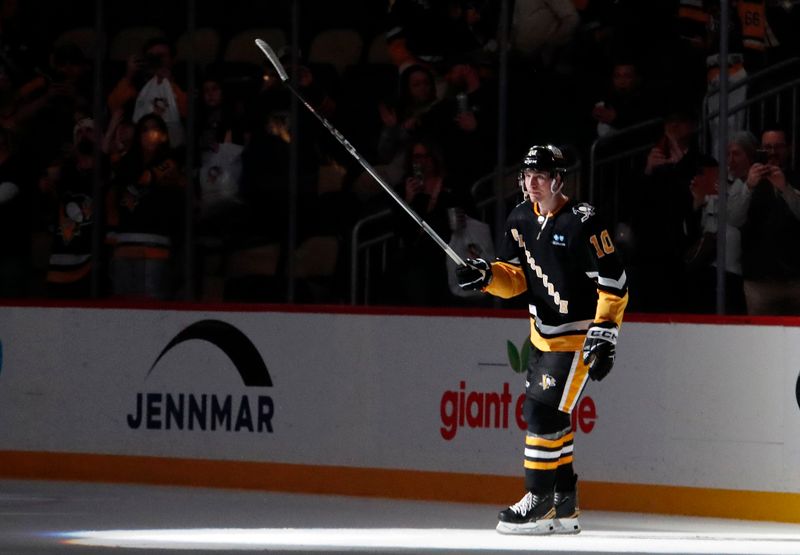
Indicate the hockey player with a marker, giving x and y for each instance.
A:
(558, 252)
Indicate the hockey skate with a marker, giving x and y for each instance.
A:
(533, 514)
(566, 505)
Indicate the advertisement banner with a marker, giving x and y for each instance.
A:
(696, 405)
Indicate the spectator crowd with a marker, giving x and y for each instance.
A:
(115, 191)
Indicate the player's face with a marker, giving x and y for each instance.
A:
(537, 184)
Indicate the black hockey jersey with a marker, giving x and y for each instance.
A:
(568, 268)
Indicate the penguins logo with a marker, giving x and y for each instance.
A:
(548, 381)
(584, 210)
(235, 344)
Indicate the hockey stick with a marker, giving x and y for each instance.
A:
(273, 59)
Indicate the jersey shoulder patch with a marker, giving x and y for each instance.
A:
(584, 211)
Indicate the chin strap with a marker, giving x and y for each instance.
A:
(521, 182)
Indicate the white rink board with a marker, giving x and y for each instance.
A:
(687, 404)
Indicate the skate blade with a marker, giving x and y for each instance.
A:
(538, 528)
(566, 526)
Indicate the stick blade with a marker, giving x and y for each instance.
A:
(273, 59)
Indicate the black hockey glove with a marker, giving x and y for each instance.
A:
(476, 275)
(600, 349)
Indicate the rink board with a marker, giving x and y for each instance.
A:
(420, 406)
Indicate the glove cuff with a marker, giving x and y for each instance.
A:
(604, 332)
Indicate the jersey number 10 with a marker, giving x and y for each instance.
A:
(605, 241)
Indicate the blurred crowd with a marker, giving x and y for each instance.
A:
(126, 189)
